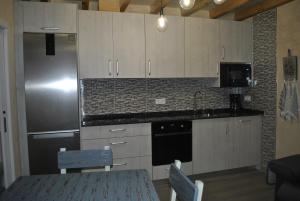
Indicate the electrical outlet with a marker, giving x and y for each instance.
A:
(160, 101)
(247, 98)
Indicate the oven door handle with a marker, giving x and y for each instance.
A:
(171, 134)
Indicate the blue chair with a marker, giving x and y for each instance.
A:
(84, 159)
(182, 185)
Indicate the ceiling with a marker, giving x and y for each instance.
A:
(238, 9)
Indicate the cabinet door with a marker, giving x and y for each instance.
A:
(50, 17)
(211, 145)
(246, 132)
(165, 50)
(202, 47)
(95, 44)
(236, 41)
(129, 45)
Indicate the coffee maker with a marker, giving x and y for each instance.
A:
(235, 102)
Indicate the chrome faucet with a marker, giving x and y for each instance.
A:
(195, 100)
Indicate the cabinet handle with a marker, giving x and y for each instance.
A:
(149, 67)
(218, 68)
(117, 63)
(117, 143)
(50, 28)
(5, 124)
(245, 121)
(109, 67)
(117, 130)
(120, 164)
(223, 53)
(227, 130)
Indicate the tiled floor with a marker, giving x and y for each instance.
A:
(233, 185)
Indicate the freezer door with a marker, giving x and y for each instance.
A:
(50, 64)
(43, 149)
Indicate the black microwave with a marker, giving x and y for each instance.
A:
(235, 74)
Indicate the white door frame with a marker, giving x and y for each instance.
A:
(5, 101)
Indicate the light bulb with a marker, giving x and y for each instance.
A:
(162, 23)
(218, 2)
(187, 4)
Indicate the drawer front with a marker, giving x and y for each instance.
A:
(115, 131)
(122, 147)
(134, 163)
(162, 171)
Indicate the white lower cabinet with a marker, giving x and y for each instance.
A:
(130, 143)
(162, 171)
(220, 144)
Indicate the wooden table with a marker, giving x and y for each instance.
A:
(129, 185)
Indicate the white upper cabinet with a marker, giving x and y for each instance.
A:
(44, 17)
(95, 37)
(164, 50)
(236, 41)
(111, 45)
(129, 45)
(202, 47)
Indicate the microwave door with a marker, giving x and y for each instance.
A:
(235, 74)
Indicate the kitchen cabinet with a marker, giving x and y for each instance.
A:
(220, 144)
(236, 41)
(95, 38)
(129, 45)
(164, 50)
(111, 45)
(130, 143)
(202, 47)
(163, 171)
(44, 17)
(246, 132)
(211, 150)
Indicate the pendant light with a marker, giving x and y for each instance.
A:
(218, 2)
(187, 4)
(162, 21)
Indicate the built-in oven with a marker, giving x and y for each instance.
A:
(235, 74)
(171, 140)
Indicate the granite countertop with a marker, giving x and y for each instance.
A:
(148, 117)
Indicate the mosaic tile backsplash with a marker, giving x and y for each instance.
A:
(264, 94)
(106, 96)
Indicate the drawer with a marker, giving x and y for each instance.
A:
(127, 130)
(162, 171)
(122, 147)
(134, 163)
(129, 164)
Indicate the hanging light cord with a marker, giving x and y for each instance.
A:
(161, 9)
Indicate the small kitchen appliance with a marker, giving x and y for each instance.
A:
(235, 102)
(235, 75)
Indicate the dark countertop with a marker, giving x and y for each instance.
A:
(148, 117)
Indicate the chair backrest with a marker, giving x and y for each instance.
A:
(85, 159)
(182, 185)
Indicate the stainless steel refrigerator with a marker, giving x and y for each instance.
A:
(51, 96)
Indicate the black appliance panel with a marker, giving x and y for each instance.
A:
(171, 140)
(235, 74)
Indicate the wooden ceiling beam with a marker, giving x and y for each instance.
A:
(124, 4)
(198, 5)
(258, 8)
(226, 7)
(155, 7)
(85, 4)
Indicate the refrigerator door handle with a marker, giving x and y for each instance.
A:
(51, 136)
